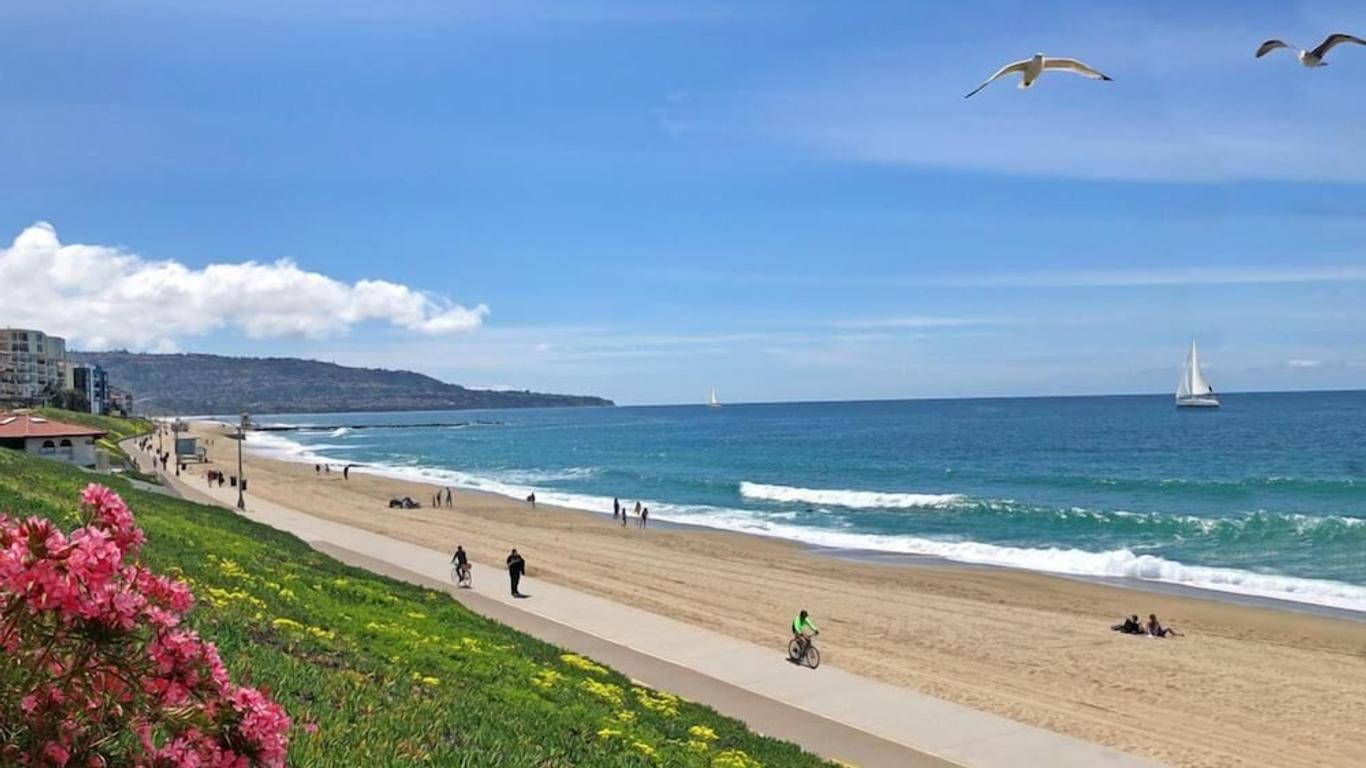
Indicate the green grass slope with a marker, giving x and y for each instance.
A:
(392, 674)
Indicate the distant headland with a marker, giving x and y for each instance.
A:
(199, 383)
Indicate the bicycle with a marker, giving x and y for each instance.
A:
(463, 577)
(799, 652)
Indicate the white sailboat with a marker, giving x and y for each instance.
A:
(712, 402)
(1194, 391)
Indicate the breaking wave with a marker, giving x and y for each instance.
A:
(846, 498)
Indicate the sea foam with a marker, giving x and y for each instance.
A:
(846, 498)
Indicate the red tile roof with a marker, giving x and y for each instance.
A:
(13, 425)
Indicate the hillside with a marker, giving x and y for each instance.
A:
(376, 672)
(195, 383)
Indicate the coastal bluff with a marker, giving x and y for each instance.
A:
(201, 383)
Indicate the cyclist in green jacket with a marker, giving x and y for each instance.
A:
(803, 630)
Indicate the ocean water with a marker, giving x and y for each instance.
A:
(1265, 496)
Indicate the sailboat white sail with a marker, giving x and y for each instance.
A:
(712, 401)
(1194, 391)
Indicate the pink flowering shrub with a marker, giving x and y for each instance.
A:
(95, 669)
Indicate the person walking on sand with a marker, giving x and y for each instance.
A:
(644, 517)
(448, 497)
(516, 567)
(616, 508)
(346, 472)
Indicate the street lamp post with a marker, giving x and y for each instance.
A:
(241, 480)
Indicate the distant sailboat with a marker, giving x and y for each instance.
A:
(1194, 391)
(712, 402)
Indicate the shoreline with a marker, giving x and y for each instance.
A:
(429, 475)
(1248, 685)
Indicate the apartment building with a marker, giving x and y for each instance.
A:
(91, 381)
(32, 365)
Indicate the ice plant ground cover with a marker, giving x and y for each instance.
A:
(375, 672)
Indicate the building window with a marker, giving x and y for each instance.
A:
(65, 443)
(48, 447)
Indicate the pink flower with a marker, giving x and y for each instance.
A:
(56, 753)
(84, 597)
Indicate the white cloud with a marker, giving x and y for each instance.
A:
(102, 296)
(1304, 363)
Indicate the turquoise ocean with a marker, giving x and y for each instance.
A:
(1265, 496)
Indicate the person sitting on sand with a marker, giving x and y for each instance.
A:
(1155, 628)
(1129, 626)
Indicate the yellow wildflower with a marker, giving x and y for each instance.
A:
(608, 733)
(625, 716)
(702, 733)
(605, 691)
(735, 758)
(431, 681)
(415, 615)
(286, 624)
(546, 679)
(645, 749)
(664, 703)
(579, 662)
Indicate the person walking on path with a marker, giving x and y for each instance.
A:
(516, 567)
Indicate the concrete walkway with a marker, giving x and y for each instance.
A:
(828, 711)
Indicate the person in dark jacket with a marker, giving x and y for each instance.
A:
(1129, 626)
(516, 567)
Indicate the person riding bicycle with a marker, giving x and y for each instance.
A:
(803, 630)
(461, 561)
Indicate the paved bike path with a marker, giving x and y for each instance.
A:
(828, 711)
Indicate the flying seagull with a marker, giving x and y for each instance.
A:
(1031, 68)
(1312, 58)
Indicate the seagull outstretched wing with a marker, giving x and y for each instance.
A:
(1332, 40)
(1271, 45)
(1072, 65)
(1000, 73)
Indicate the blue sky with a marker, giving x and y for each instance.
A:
(646, 199)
